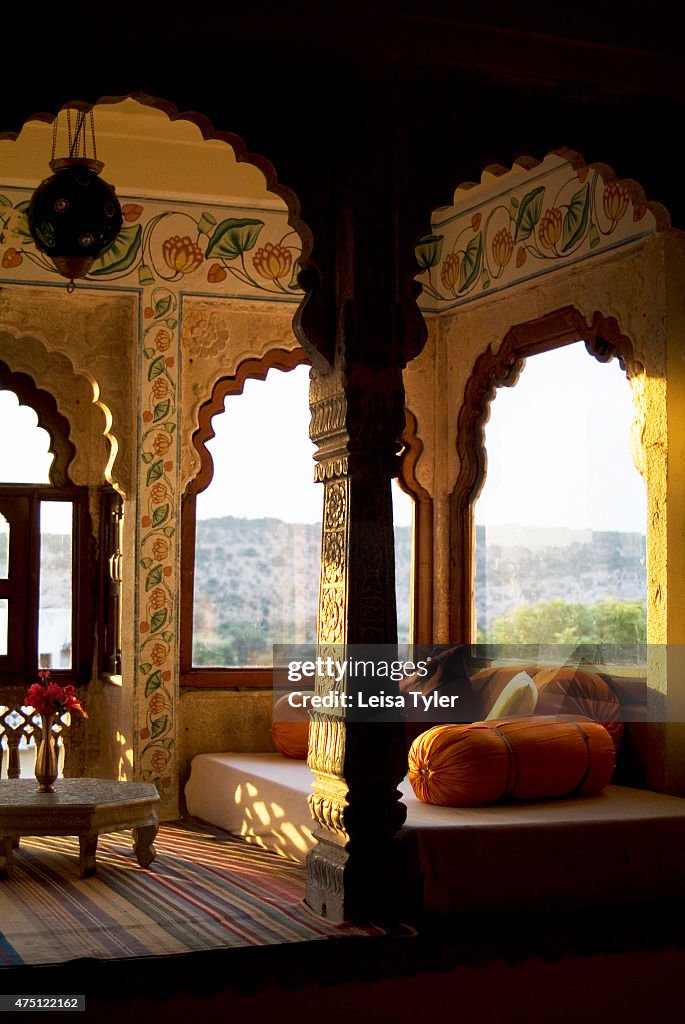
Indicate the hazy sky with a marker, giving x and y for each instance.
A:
(265, 441)
(558, 448)
(557, 443)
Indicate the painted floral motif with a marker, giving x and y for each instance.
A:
(182, 255)
(175, 245)
(566, 214)
(449, 272)
(272, 261)
(615, 200)
(157, 627)
(14, 231)
(502, 247)
(549, 230)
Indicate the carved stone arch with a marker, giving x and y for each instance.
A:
(422, 542)
(39, 318)
(248, 369)
(492, 370)
(49, 418)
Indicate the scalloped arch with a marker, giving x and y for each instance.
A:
(494, 172)
(49, 418)
(308, 277)
(422, 574)
(94, 386)
(603, 340)
(248, 369)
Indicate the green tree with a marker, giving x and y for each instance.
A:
(564, 622)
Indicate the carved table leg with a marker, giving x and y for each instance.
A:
(143, 839)
(6, 845)
(88, 845)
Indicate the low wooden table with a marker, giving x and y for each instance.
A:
(78, 807)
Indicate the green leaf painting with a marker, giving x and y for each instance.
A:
(428, 251)
(575, 219)
(153, 683)
(294, 284)
(121, 254)
(156, 367)
(161, 410)
(154, 577)
(159, 726)
(160, 515)
(158, 620)
(22, 225)
(470, 265)
(233, 237)
(155, 471)
(529, 214)
(163, 306)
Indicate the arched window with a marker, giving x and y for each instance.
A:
(403, 520)
(561, 519)
(258, 528)
(251, 546)
(251, 527)
(43, 540)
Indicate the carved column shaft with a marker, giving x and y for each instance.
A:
(356, 871)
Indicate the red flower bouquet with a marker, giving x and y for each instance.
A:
(48, 698)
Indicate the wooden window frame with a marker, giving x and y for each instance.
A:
(109, 583)
(24, 663)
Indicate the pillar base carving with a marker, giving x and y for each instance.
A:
(364, 881)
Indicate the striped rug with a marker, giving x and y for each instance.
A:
(206, 890)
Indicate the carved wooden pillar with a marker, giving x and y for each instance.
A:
(361, 323)
(357, 869)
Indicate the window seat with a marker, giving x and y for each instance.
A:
(621, 845)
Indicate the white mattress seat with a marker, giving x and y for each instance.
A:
(617, 846)
(261, 797)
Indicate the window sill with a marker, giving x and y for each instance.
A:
(228, 678)
(109, 677)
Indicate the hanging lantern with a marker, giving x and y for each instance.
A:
(74, 216)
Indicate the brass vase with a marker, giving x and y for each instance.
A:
(46, 756)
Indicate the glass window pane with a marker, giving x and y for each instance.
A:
(560, 523)
(54, 607)
(258, 534)
(4, 616)
(27, 460)
(4, 548)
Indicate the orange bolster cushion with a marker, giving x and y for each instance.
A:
(510, 759)
(575, 691)
(290, 729)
